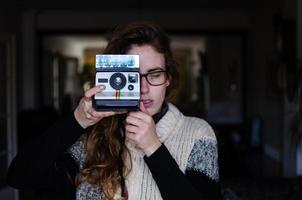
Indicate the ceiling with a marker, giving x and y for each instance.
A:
(140, 4)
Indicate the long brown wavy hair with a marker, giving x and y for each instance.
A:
(107, 159)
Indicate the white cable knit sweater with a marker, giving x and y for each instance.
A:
(191, 142)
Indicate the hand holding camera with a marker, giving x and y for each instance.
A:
(140, 128)
(85, 114)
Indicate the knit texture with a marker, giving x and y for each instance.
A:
(191, 142)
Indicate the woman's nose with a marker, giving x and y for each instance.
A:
(144, 85)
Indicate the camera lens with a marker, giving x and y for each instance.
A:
(118, 81)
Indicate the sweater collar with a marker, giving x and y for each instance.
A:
(169, 123)
(164, 109)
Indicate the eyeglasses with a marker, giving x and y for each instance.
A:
(156, 78)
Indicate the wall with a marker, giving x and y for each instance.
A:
(9, 26)
(263, 101)
(299, 56)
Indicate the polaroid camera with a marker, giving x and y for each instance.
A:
(120, 76)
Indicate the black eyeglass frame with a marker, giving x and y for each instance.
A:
(153, 72)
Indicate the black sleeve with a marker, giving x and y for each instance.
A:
(174, 184)
(41, 164)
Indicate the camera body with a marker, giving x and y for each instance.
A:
(120, 76)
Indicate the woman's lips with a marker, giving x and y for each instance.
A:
(147, 103)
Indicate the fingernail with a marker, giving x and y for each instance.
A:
(102, 87)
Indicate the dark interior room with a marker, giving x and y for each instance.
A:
(240, 70)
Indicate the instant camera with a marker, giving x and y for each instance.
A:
(120, 76)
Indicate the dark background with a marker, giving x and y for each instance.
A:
(247, 87)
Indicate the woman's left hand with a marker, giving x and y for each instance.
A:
(140, 128)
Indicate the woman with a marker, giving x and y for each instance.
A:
(165, 155)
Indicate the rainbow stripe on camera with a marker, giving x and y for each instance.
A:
(117, 94)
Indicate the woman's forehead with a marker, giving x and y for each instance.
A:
(149, 58)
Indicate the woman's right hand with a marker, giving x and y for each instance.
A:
(85, 114)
